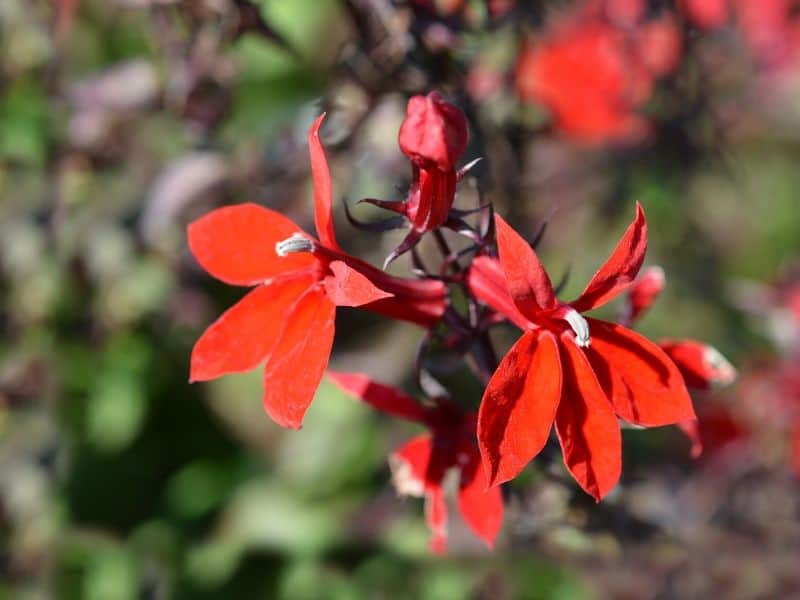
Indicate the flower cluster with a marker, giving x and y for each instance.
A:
(596, 65)
(567, 372)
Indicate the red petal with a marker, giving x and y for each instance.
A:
(348, 287)
(796, 449)
(528, 283)
(323, 189)
(691, 430)
(487, 283)
(641, 295)
(620, 269)
(236, 244)
(586, 425)
(436, 517)
(701, 365)
(382, 397)
(417, 470)
(413, 470)
(244, 334)
(481, 508)
(518, 406)
(296, 365)
(641, 381)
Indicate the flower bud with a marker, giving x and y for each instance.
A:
(434, 133)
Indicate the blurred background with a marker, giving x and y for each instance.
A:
(122, 120)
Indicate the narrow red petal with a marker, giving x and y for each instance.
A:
(519, 405)
(236, 244)
(348, 287)
(386, 399)
(528, 283)
(620, 269)
(487, 283)
(418, 470)
(424, 197)
(323, 189)
(419, 301)
(244, 334)
(691, 429)
(481, 508)
(643, 384)
(586, 425)
(296, 365)
(701, 365)
(436, 517)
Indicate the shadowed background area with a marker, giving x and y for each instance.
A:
(123, 120)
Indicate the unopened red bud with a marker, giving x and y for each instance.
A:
(434, 132)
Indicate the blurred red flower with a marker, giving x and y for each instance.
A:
(420, 465)
(595, 67)
(705, 14)
(771, 29)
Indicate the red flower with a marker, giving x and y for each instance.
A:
(287, 321)
(433, 136)
(624, 13)
(595, 66)
(705, 14)
(771, 29)
(420, 465)
(583, 74)
(578, 372)
(658, 45)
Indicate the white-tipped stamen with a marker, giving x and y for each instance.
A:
(291, 245)
(579, 325)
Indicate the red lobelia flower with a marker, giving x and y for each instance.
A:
(577, 372)
(287, 321)
(434, 136)
(420, 465)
